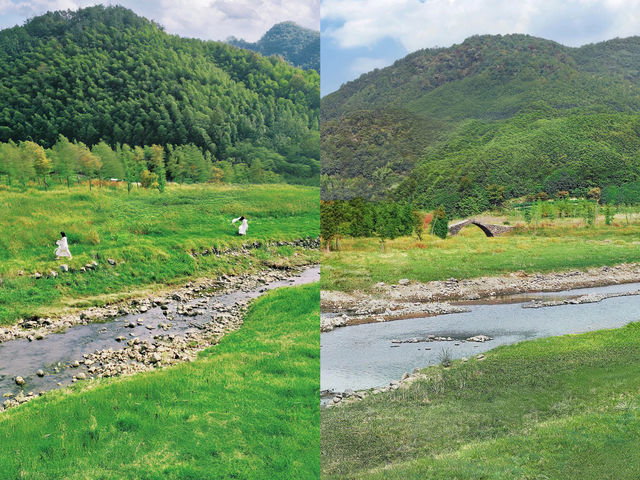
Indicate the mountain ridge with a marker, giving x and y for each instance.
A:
(105, 73)
(496, 80)
(298, 45)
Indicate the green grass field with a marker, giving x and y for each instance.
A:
(148, 233)
(247, 408)
(550, 246)
(557, 408)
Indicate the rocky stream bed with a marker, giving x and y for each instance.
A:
(41, 354)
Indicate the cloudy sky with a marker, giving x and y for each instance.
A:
(206, 19)
(360, 35)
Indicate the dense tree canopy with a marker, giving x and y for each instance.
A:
(493, 118)
(298, 45)
(105, 76)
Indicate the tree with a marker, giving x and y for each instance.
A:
(440, 223)
(495, 195)
(608, 215)
(227, 170)
(332, 219)
(389, 224)
(10, 162)
(149, 179)
(65, 158)
(155, 162)
(88, 163)
(112, 165)
(256, 174)
(186, 163)
(35, 154)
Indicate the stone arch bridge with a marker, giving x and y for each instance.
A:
(488, 229)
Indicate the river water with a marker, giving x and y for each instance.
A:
(56, 351)
(364, 356)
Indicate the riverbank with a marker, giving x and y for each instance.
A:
(239, 405)
(407, 299)
(131, 338)
(133, 245)
(361, 263)
(519, 402)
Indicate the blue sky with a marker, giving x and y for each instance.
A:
(360, 35)
(206, 19)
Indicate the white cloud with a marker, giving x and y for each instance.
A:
(432, 23)
(207, 19)
(248, 19)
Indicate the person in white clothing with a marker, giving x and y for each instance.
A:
(63, 247)
(242, 230)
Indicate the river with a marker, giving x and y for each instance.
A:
(365, 356)
(54, 353)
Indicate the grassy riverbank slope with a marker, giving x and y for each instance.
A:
(555, 408)
(549, 246)
(246, 409)
(149, 234)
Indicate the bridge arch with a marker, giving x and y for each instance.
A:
(488, 229)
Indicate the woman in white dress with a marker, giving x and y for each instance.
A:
(63, 247)
(242, 230)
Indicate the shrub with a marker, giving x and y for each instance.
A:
(440, 223)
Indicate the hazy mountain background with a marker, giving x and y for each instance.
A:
(298, 45)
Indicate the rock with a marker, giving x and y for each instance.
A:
(81, 376)
(111, 261)
(403, 281)
(37, 275)
(155, 358)
(20, 273)
(40, 373)
(20, 380)
(64, 268)
(120, 339)
(479, 338)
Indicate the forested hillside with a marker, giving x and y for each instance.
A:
(298, 45)
(104, 74)
(511, 114)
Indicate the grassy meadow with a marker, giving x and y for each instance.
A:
(247, 408)
(149, 234)
(554, 408)
(542, 246)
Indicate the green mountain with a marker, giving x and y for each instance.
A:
(104, 73)
(298, 45)
(449, 125)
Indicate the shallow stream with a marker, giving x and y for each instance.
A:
(55, 352)
(365, 356)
